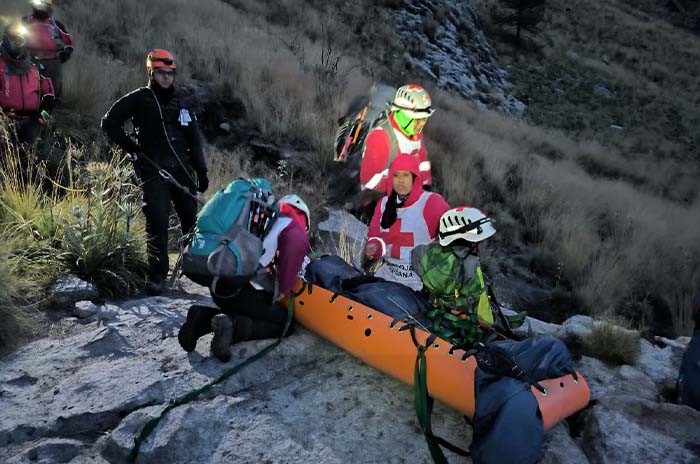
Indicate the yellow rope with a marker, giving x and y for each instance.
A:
(68, 189)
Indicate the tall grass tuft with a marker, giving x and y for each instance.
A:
(87, 224)
(103, 239)
(612, 344)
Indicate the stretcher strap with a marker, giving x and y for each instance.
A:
(424, 403)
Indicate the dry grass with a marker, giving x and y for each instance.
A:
(616, 244)
(612, 344)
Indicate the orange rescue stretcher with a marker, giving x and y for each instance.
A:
(386, 345)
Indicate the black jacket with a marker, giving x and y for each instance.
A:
(141, 108)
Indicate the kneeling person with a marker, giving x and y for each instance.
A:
(249, 312)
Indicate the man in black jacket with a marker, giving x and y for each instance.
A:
(168, 143)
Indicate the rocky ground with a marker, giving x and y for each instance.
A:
(82, 395)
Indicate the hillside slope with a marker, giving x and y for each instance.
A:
(590, 218)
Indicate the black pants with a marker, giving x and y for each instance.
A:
(256, 315)
(53, 69)
(157, 196)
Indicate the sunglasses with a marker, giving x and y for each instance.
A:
(165, 72)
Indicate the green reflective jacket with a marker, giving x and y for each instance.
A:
(453, 279)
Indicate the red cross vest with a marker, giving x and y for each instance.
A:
(46, 38)
(408, 231)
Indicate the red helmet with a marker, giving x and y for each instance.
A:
(160, 58)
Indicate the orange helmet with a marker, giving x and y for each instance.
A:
(160, 58)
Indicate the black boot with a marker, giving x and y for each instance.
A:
(198, 324)
(155, 286)
(222, 325)
(247, 328)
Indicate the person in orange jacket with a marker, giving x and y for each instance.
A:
(24, 93)
(48, 42)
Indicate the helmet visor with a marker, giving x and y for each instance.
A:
(165, 61)
(465, 228)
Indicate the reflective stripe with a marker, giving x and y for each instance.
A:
(374, 181)
(383, 243)
(424, 166)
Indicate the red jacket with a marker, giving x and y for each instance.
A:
(292, 247)
(435, 205)
(47, 37)
(21, 95)
(382, 147)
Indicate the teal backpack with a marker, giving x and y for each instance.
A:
(227, 242)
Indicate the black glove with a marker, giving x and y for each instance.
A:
(65, 54)
(202, 181)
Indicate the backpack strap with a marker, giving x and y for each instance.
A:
(384, 124)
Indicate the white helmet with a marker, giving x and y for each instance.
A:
(464, 222)
(298, 203)
(414, 101)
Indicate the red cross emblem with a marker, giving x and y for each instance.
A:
(398, 239)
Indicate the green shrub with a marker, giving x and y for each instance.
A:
(103, 239)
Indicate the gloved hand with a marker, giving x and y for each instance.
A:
(65, 54)
(372, 250)
(44, 117)
(202, 181)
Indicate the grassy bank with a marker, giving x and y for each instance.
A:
(85, 223)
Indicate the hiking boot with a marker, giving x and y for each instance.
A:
(155, 287)
(223, 336)
(198, 324)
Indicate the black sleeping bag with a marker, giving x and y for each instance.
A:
(391, 298)
(506, 409)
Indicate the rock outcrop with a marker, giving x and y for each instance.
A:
(446, 43)
(84, 397)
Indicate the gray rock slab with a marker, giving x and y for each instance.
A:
(69, 289)
(622, 429)
(342, 233)
(85, 309)
(598, 375)
(50, 451)
(560, 448)
(93, 390)
(660, 364)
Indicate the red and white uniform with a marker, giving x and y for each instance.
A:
(47, 37)
(382, 146)
(21, 94)
(417, 222)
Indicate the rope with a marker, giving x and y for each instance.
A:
(150, 426)
(67, 189)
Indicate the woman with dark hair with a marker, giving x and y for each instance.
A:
(408, 216)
